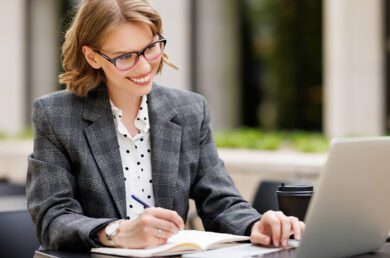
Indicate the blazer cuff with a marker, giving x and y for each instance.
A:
(94, 236)
(248, 230)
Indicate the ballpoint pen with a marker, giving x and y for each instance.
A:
(145, 205)
(140, 201)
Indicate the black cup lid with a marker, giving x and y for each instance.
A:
(295, 188)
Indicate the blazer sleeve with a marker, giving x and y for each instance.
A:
(218, 201)
(51, 192)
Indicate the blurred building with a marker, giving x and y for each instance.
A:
(325, 71)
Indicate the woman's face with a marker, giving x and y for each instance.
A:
(126, 38)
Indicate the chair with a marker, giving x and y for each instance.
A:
(17, 234)
(8, 189)
(265, 197)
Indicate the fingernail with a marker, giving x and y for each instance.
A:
(276, 243)
(298, 237)
(284, 242)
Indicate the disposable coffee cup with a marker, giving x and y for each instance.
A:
(293, 200)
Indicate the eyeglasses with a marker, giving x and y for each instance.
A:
(127, 61)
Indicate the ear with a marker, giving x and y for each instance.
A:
(90, 56)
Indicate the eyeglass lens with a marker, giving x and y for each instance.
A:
(151, 53)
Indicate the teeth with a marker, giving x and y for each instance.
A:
(141, 80)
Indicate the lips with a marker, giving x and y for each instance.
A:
(141, 80)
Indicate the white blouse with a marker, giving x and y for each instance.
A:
(136, 159)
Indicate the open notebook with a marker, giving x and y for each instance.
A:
(183, 242)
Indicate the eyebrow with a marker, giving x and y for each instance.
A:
(122, 52)
(119, 53)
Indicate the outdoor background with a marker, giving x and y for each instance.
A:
(280, 76)
(270, 64)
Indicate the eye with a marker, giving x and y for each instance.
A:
(152, 45)
(126, 57)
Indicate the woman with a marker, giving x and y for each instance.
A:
(114, 133)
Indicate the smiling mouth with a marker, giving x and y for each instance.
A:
(141, 80)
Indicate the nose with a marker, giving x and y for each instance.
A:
(142, 64)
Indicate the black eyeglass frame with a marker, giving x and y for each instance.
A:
(138, 53)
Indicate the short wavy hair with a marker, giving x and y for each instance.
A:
(93, 19)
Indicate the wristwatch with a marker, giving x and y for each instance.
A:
(111, 230)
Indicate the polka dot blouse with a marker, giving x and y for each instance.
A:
(135, 154)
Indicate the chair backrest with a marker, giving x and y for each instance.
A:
(265, 197)
(8, 189)
(17, 234)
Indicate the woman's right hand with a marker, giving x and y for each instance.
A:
(152, 228)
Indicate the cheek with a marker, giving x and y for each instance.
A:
(155, 67)
(112, 73)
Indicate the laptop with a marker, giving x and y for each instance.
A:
(349, 213)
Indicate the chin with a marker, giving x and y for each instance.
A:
(141, 90)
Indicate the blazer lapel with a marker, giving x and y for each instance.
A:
(165, 137)
(102, 138)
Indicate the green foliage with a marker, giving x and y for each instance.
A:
(248, 138)
(26, 134)
(308, 142)
(251, 138)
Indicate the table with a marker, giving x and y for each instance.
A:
(382, 253)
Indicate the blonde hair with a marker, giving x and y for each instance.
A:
(93, 19)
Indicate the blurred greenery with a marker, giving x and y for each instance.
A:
(244, 138)
(308, 142)
(26, 134)
(252, 138)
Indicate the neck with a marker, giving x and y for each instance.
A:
(129, 104)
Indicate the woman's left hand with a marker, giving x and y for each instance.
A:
(275, 228)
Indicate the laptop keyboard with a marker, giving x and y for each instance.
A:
(286, 253)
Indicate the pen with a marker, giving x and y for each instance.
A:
(140, 201)
(143, 203)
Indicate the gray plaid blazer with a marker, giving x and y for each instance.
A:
(75, 180)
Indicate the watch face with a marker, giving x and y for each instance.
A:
(112, 228)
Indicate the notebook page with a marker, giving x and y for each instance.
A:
(204, 239)
(243, 250)
(166, 249)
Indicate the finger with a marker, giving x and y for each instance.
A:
(162, 241)
(296, 226)
(274, 223)
(157, 237)
(160, 233)
(285, 228)
(167, 215)
(155, 240)
(164, 225)
(303, 226)
(258, 238)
